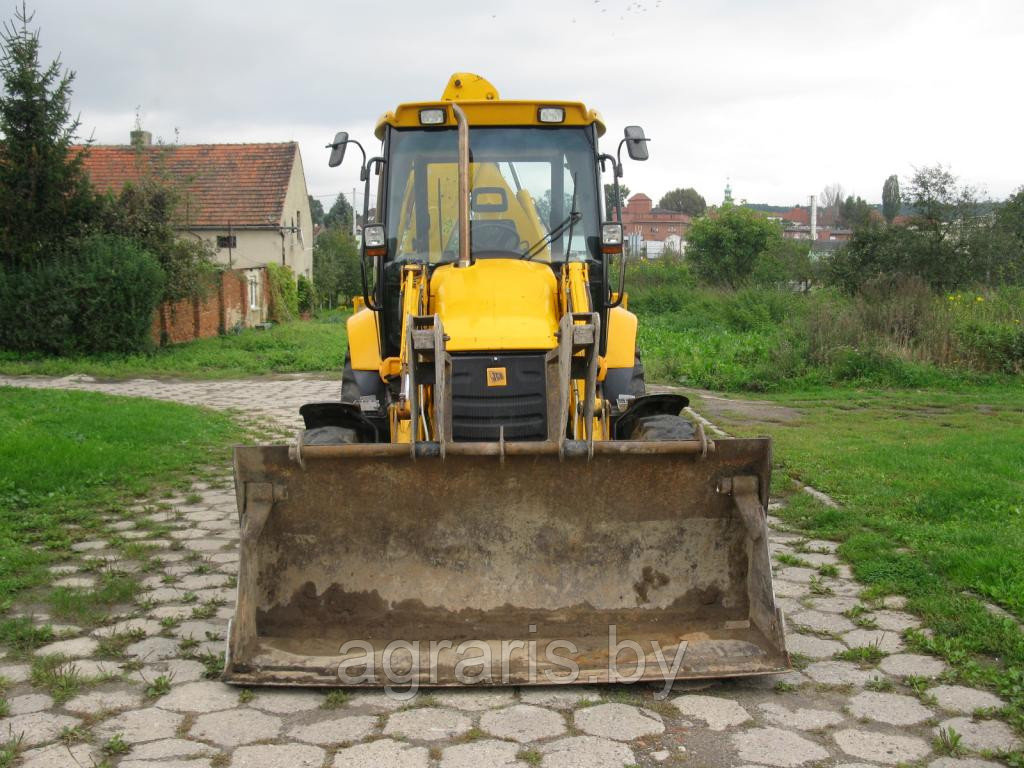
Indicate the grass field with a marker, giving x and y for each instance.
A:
(315, 346)
(69, 458)
(931, 485)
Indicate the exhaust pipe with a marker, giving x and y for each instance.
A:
(464, 250)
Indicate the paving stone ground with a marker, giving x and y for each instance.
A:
(153, 706)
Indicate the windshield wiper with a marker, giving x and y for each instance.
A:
(565, 224)
(568, 223)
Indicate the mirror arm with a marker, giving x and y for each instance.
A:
(617, 172)
(362, 168)
(365, 178)
(618, 159)
(622, 276)
(366, 292)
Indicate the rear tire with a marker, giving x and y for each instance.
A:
(663, 426)
(349, 388)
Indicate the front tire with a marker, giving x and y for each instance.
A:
(349, 388)
(329, 436)
(661, 427)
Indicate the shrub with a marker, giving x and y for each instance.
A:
(148, 212)
(100, 299)
(306, 294)
(992, 347)
(284, 293)
(724, 249)
(665, 285)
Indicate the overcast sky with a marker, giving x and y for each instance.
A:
(780, 97)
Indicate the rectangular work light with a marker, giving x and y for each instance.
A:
(611, 238)
(431, 117)
(374, 242)
(551, 114)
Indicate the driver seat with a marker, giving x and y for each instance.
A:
(494, 235)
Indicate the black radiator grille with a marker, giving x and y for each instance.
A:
(519, 404)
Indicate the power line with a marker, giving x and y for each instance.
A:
(335, 194)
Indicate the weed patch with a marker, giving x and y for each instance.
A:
(90, 607)
(336, 699)
(57, 676)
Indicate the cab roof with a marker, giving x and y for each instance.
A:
(482, 105)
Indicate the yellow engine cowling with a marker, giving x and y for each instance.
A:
(496, 305)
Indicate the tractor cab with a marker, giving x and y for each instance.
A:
(533, 174)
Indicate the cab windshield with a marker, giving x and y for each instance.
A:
(525, 184)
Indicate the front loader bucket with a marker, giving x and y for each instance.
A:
(503, 564)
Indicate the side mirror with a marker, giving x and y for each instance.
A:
(636, 143)
(338, 149)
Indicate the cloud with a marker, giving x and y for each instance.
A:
(784, 98)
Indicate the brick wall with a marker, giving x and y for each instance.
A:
(226, 307)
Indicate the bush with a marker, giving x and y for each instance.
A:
(100, 299)
(724, 249)
(284, 293)
(148, 212)
(306, 294)
(665, 285)
(993, 347)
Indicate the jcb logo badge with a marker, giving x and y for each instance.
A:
(497, 377)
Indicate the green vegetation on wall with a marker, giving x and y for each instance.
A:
(284, 293)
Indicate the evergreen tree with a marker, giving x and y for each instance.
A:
(45, 197)
(891, 198)
(340, 215)
(609, 199)
(316, 210)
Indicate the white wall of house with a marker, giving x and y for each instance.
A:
(254, 247)
(298, 241)
(288, 241)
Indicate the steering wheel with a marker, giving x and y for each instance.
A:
(495, 236)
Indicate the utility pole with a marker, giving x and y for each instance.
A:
(353, 211)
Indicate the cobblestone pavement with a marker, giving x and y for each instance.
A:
(136, 691)
(271, 400)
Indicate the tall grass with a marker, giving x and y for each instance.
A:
(895, 333)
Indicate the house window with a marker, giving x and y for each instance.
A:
(227, 241)
(254, 293)
(654, 229)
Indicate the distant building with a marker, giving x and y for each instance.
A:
(640, 220)
(796, 225)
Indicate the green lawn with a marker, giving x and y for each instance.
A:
(931, 485)
(316, 346)
(68, 458)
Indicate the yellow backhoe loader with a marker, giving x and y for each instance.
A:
(494, 498)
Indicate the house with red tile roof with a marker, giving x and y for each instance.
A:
(249, 201)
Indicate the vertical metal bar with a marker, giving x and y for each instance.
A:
(460, 118)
